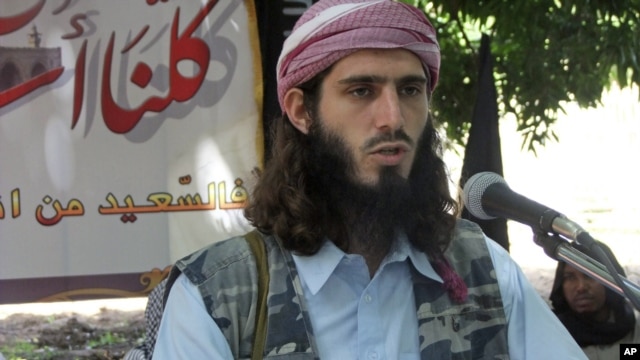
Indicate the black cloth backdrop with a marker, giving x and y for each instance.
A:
(482, 152)
(276, 18)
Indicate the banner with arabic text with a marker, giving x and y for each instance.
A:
(129, 131)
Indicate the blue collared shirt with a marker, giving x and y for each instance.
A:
(355, 316)
(359, 317)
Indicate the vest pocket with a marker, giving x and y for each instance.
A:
(479, 333)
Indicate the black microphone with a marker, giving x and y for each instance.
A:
(487, 196)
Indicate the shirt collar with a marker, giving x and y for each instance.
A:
(315, 270)
(418, 258)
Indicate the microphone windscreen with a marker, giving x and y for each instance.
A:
(474, 189)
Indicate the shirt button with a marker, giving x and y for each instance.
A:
(368, 298)
(372, 355)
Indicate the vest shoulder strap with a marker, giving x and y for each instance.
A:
(254, 239)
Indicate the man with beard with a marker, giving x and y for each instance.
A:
(366, 255)
(597, 318)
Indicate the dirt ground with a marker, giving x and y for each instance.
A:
(106, 334)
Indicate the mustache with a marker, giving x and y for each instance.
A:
(399, 134)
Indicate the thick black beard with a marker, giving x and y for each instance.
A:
(362, 216)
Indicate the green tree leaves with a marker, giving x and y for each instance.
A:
(546, 53)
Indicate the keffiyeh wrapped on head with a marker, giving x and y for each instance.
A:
(332, 29)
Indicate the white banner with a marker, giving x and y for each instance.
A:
(128, 134)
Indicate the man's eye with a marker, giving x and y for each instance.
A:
(411, 90)
(361, 92)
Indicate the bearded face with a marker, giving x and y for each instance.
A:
(372, 212)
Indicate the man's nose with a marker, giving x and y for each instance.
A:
(583, 284)
(388, 112)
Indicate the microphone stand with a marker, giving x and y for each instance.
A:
(561, 250)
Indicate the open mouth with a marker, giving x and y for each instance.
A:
(389, 151)
(390, 154)
(391, 148)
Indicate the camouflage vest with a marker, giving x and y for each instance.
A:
(225, 273)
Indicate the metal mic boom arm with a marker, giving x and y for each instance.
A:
(561, 250)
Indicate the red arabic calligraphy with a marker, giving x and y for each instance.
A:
(75, 24)
(136, 39)
(78, 89)
(13, 23)
(181, 88)
(119, 118)
(153, 2)
(16, 92)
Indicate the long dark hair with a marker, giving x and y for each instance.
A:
(284, 203)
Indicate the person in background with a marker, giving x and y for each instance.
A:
(367, 256)
(598, 318)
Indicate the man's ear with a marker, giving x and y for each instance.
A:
(296, 111)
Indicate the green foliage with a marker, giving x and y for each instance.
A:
(23, 350)
(546, 53)
(106, 339)
(98, 345)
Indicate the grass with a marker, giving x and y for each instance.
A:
(106, 339)
(98, 345)
(18, 351)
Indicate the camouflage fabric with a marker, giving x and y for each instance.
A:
(225, 274)
(475, 329)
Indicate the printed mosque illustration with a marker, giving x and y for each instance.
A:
(19, 64)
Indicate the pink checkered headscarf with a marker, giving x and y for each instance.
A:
(332, 29)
